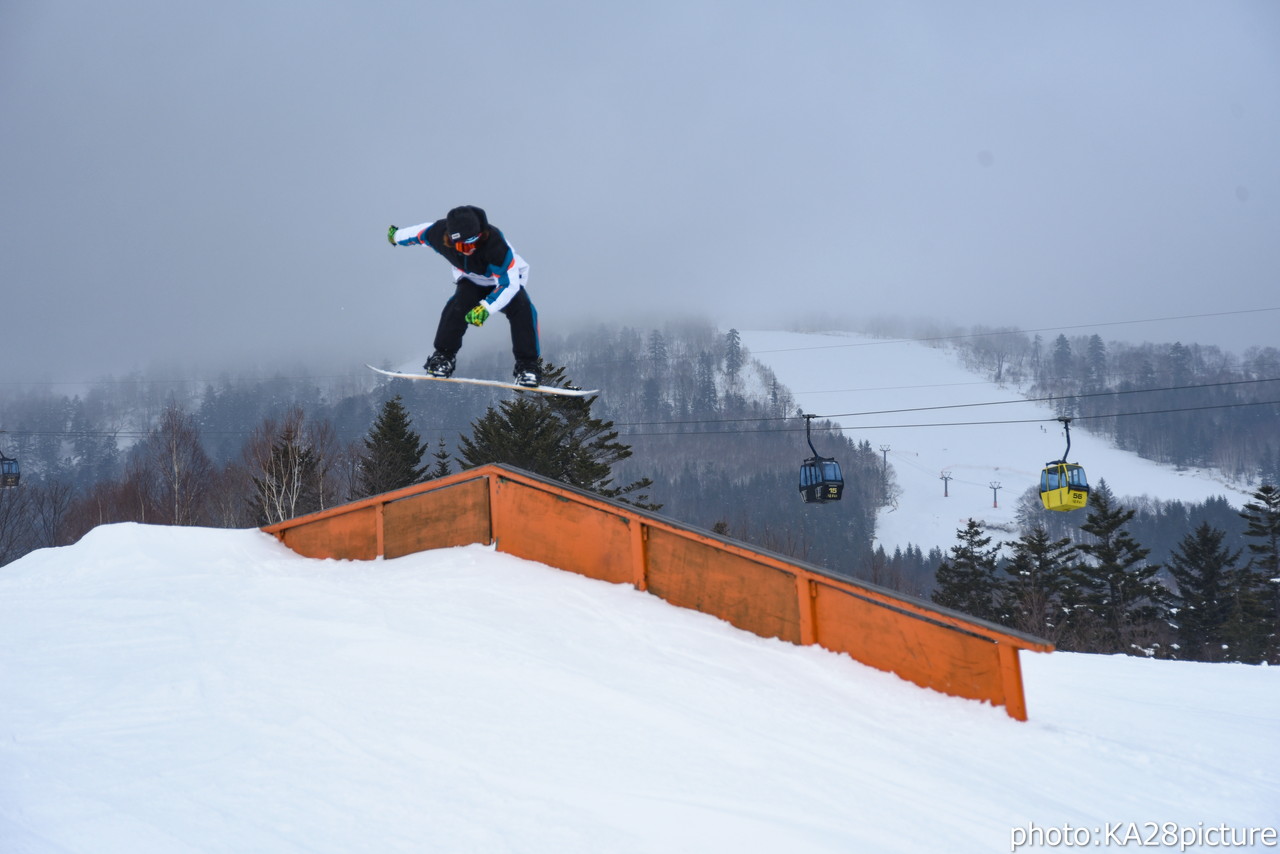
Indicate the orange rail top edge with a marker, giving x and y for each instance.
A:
(542, 520)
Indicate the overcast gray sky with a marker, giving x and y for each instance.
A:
(181, 182)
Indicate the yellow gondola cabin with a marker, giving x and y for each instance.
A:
(1063, 485)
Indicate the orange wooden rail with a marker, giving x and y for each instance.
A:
(541, 520)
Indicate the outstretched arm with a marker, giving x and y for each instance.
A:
(414, 235)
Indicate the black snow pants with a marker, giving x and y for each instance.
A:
(521, 315)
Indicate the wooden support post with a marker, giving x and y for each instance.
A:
(639, 558)
(1015, 702)
(807, 592)
(379, 530)
(493, 479)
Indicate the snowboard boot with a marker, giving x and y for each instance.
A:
(440, 364)
(528, 374)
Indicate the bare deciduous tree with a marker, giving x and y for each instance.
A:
(229, 504)
(15, 523)
(291, 465)
(50, 509)
(177, 469)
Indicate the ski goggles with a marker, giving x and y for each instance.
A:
(466, 247)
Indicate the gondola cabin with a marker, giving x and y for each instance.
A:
(820, 480)
(10, 474)
(1062, 484)
(820, 477)
(1063, 487)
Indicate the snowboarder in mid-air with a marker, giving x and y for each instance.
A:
(488, 276)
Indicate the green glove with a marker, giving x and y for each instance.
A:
(478, 315)
(391, 235)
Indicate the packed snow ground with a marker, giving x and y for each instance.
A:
(173, 690)
(844, 375)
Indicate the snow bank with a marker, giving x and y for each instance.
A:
(186, 690)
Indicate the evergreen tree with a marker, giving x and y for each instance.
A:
(1261, 581)
(1032, 599)
(967, 581)
(1203, 568)
(1262, 519)
(733, 358)
(1118, 588)
(1249, 633)
(1269, 466)
(1096, 365)
(705, 397)
(393, 453)
(1180, 364)
(555, 437)
(657, 353)
(1062, 358)
(1147, 374)
(734, 401)
(442, 467)
(524, 433)
(96, 452)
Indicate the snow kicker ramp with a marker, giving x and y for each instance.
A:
(542, 520)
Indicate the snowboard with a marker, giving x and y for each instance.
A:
(542, 389)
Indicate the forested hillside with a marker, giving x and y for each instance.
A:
(1143, 575)
(723, 442)
(1179, 404)
(713, 429)
(1184, 405)
(719, 437)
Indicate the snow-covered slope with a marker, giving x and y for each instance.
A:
(832, 374)
(174, 690)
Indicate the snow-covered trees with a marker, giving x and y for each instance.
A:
(967, 579)
(1119, 590)
(1097, 592)
(1035, 593)
(1204, 570)
(1262, 577)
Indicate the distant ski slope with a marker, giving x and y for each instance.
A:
(833, 374)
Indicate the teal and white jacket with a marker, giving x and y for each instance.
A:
(494, 263)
